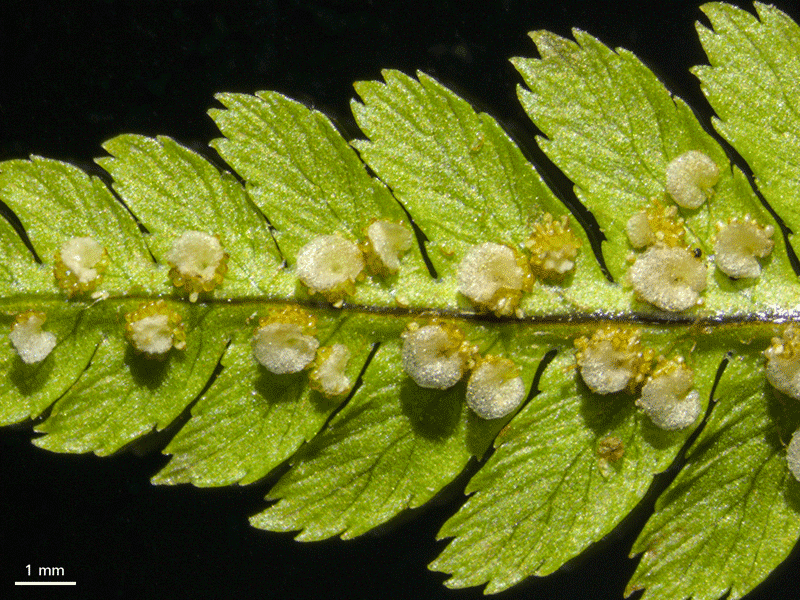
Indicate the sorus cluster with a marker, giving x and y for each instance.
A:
(667, 273)
(614, 360)
(494, 276)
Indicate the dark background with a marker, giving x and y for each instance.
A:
(75, 74)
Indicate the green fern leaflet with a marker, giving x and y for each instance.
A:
(377, 315)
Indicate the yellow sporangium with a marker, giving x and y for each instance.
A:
(330, 265)
(154, 329)
(668, 396)
(738, 246)
(691, 178)
(493, 277)
(198, 263)
(79, 265)
(494, 388)
(783, 362)
(285, 341)
(668, 278)
(328, 375)
(32, 343)
(436, 355)
(658, 224)
(613, 359)
(385, 244)
(553, 247)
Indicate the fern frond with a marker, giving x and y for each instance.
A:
(365, 325)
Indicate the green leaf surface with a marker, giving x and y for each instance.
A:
(308, 182)
(465, 182)
(173, 190)
(251, 420)
(303, 174)
(56, 201)
(733, 510)
(27, 390)
(17, 270)
(548, 491)
(571, 460)
(612, 127)
(752, 86)
(393, 447)
(137, 394)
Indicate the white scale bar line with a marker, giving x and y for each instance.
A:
(44, 583)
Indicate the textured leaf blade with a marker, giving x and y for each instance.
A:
(392, 447)
(294, 158)
(752, 86)
(401, 444)
(173, 190)
(612, 127)
(418, 128)
(309, 182)
(17, 270)
(124, 395)
(465, 182)
(251, 420)
(27, 390)
(733, 510)
(548, 492)
(56, 201)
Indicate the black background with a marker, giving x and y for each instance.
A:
(75, 74)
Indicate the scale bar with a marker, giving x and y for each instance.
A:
(44, 583)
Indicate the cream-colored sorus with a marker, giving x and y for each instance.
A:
(613, 359)
(198, 262)
(668, 278)
(691, 178)
(493, 277)
(32, 344)
(738, 246)
(329, 265)
(783, 362)
(386, 243)
(154, 329)
(437, 355)
(668, 397)
(328, 375)
(494, 388)
(793, 455)
(79, 265)
(658, 224)
(285, 342)
(553, 247)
